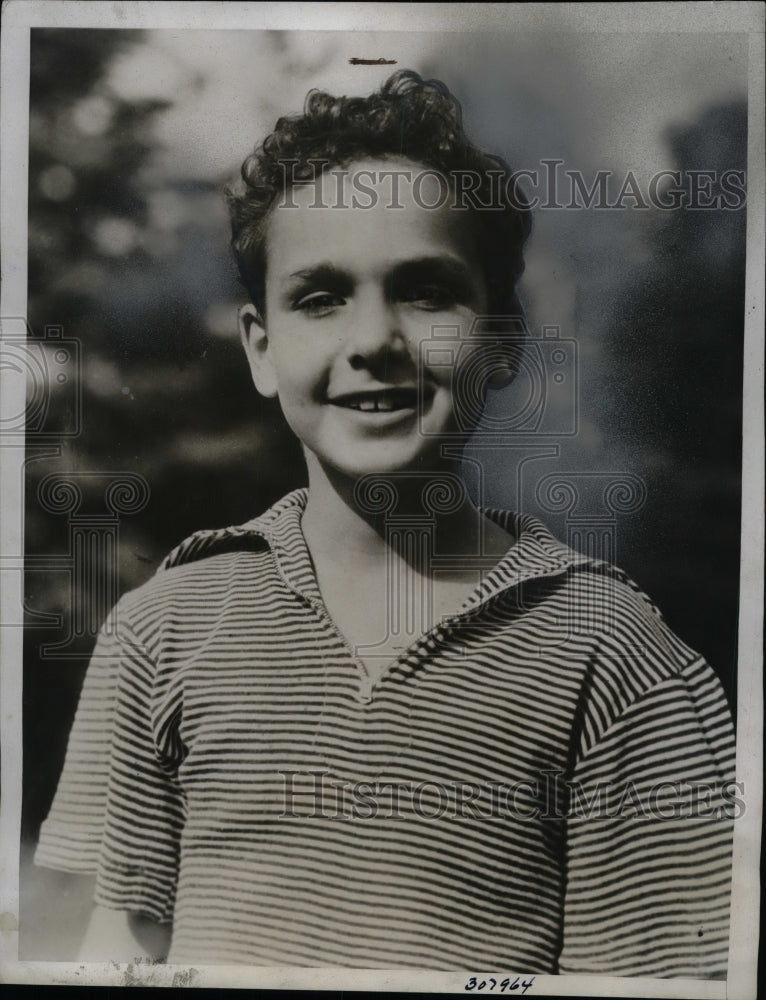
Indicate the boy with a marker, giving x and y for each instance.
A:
(375, 726)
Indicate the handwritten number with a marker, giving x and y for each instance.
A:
(507, 984)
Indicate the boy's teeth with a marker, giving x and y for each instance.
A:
(385, 402)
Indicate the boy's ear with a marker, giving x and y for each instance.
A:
(252, 331)
(501, 374)
(500, 368)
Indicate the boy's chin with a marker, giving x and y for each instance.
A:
(382, 462)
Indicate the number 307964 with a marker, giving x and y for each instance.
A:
(506, 985)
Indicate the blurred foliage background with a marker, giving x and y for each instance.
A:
(133, 135)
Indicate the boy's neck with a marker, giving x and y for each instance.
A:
(336, 525)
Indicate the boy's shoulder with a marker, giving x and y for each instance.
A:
(257, 534)
(538, 553)
(596, 597)
(201, 565)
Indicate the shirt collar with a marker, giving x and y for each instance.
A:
(536, 552)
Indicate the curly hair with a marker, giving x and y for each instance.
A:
(409, 117)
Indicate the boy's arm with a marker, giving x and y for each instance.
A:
(116, 804)
(119, 936)
(649, 837)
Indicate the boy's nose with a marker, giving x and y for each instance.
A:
(375, 331)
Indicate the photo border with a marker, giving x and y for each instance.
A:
(18, 17)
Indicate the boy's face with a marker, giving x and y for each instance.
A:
(351, 294)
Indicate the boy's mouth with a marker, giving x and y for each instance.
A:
(379, 400)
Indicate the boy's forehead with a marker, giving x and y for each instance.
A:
(395, 180)
(369, 211)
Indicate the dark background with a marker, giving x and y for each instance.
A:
(128, 256)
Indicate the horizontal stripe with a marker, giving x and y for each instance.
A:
(222, 686)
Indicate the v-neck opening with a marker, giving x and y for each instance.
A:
(302, 566)
(533, 553)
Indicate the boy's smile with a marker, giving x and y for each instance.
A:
(352, 293)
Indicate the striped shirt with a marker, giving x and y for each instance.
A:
(538, 783)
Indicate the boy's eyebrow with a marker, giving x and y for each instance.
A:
(324, 271)
(445, 266)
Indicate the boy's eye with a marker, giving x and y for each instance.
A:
(428, 296)
(319, 303)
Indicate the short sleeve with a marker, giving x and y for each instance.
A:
(649, 837)
(118, 810)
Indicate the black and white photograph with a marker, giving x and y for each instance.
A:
(382, 496)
